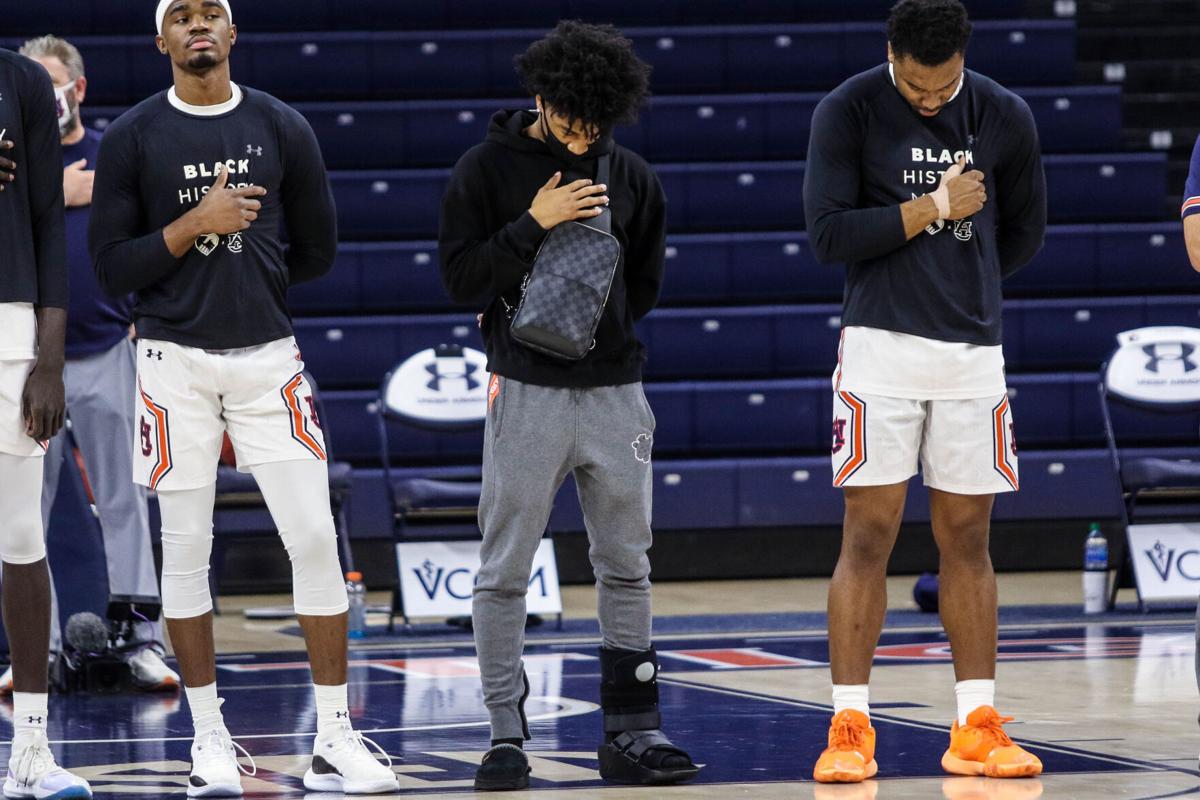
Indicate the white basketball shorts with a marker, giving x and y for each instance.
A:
(188, 397)
(962, 446)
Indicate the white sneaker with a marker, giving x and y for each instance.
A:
(216, 771)
(342, 763)
(33, 773)
(6, 682)
(151, 673)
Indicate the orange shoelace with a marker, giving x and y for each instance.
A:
(993, 725)
(847, 736)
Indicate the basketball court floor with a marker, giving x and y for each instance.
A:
(1110, 705)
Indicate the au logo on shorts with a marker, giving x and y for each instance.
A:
(839, 435)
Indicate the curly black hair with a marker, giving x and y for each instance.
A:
(931, 31)
(589, 73)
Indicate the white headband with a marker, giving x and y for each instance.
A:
(165, 4)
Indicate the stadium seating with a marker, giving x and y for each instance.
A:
(125, 69)
(434, 133)
(99, 16)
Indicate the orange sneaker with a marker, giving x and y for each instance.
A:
(981, 747)
(850, 756)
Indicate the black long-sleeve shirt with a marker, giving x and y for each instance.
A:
(156, 162)
(488, 242)
(870, 151)
(33, 250)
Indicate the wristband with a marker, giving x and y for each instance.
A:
(941, 198)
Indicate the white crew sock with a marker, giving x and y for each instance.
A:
(30, 712)
(973, 694)
(333, 706)
(206, 708)
(847, 696)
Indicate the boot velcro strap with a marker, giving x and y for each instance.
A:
(619, 720)
(636, 744)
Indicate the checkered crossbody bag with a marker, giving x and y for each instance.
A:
(566, 292)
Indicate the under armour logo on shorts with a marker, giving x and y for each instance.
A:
(37, 720)
(152, 353)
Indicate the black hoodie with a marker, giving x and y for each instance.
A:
(488, 241)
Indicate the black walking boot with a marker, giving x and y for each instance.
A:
(635, 750)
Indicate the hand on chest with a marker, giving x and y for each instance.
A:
(192, 170)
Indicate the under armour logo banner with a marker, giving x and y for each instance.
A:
(467, 374)
(444, 386)
(1170, 352)
(1156, 366)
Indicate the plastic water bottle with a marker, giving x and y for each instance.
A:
(1095, 571)
(356, 592)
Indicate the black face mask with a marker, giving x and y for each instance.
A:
(557, 148)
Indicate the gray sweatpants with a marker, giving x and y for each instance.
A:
(100, 405)
(535, 436)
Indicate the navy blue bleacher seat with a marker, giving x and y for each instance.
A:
(672, 405)
(101, 16)
(429, 64)
(761, 416)
(806, 339)
(1102, 188)
(740, 127)
(708, 343)
(388, 205)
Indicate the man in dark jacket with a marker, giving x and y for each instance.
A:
(550, 417)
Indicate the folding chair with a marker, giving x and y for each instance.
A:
(1150, 398)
